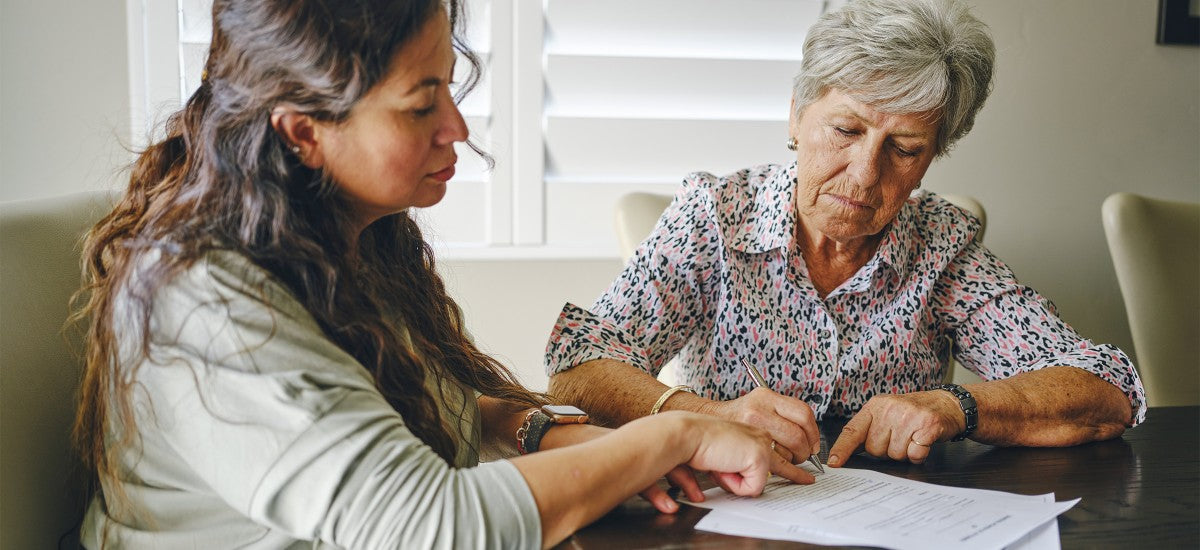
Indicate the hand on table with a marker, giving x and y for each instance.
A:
(681, 476)
(900, 427)
(789, 421)
(739, 457)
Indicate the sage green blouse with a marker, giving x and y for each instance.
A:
(256, 431)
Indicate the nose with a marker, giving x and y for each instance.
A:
(864, 168)
(453, 126)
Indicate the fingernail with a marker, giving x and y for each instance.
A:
(671, 506)
(833, 460)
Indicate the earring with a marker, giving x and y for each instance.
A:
(295, 149)
(791, 143)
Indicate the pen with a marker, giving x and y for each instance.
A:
(762, 383)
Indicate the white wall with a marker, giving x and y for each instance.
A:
(1085, 104)
(64, 96)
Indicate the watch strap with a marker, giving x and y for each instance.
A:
(529, 435)
(969, 407)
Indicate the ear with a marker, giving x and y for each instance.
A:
(793, 120)
(301, 133)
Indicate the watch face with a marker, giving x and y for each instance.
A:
(562, 410)
(565, 414)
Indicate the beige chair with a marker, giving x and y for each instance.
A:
(1155, 247)
(638, 212)
(40, 482)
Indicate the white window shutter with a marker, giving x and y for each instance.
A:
(640, 93)
(581, 102)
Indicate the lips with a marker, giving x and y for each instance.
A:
(847, 201)
(444, 174)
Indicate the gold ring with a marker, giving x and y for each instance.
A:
(914, 440)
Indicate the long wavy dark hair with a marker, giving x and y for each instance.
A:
(222, 178)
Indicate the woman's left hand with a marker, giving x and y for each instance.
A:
(900, 427)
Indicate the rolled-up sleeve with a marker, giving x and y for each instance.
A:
(656, 304)
(287, 429)
(1002, 328)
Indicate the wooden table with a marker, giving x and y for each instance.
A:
(1139, 491)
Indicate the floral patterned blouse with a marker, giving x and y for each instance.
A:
(719, 279)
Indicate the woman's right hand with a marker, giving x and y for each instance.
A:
(789, 421)
(738, 456)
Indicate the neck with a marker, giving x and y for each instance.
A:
(832, 262)
(813, 243)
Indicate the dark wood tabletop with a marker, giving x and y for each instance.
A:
(1141, 490)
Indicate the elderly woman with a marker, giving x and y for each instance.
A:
(842, 281)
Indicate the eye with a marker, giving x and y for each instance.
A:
(425, 111)
(905, 152)
(845, 131)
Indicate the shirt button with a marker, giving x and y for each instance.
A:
(823, 334)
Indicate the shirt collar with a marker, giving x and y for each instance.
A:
(896, 248)
(767, 223)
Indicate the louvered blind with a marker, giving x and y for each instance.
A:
(582, 101)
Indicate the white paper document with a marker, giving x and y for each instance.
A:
(862, 507)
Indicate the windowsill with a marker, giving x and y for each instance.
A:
(484, 253)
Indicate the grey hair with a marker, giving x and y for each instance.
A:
(901, 56)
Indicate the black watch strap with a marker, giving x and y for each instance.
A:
(969, 408)
(529, 437)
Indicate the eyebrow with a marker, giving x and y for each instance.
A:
(847, 111)
(431, 81)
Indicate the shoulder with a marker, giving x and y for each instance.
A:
(223, 310)
(939, 223)
(737, 188)
(229, 282)
(758, 195)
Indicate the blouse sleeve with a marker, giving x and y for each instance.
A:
(657, 303)
(281, 424)
(1002, 328)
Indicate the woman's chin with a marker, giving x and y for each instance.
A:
(431, 195)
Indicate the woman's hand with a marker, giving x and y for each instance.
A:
(575, 484)
(900, 427)
(790, 422)
(681, 476)
(738, 456)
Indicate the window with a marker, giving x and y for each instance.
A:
(581, 102)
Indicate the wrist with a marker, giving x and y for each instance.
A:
(967, 417)
(673, 432)
(670, 393)
(565, 435)
(682, 435)
(537, 423)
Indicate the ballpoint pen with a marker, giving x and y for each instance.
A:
(762, 383)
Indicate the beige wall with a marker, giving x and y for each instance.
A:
(64, 96)
(1085, 104)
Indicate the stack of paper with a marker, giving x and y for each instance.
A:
(861, 507)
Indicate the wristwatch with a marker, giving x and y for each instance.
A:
(539, 421)
(969, 408)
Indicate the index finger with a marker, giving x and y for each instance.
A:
(851, 439)
(782, 468)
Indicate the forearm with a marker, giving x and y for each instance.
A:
(502, 419)
(572, 487)
(614, 393)
(1050, 407)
